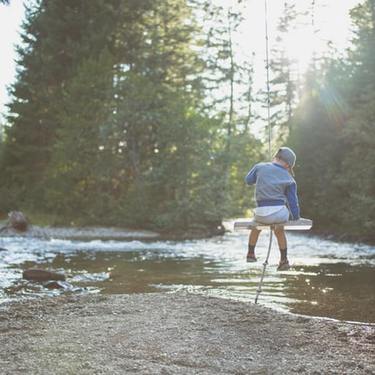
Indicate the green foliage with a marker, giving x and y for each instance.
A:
(245, 152)
(76, 176)
(57, 36)
(317, 142)
(108, 120)
(359, 133)
(334, 136)
(117, 118)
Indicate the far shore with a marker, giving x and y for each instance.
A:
(84, 233)
(87, 233)
(108, 233)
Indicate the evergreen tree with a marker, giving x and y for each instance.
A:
(157, 122)
(229, 88)
(359, 134)
(333, 134)
(78, 179)
(315, 135)
(56, 37)
(109, 123)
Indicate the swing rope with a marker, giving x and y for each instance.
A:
(259, 290)
(268, 82)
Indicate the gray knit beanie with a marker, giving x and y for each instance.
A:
(286, 154)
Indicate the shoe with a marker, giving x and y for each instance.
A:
(283, 265)
(250, 258)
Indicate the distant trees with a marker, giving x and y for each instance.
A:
(228, 84)
(109, 123)
(138, 113)
(57, 37)
(359, 134)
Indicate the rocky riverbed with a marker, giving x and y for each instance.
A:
(175, 333)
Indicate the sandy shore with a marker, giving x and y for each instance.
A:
(174, 334)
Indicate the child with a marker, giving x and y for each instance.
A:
(276, 197)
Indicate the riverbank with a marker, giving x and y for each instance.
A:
(82, 233)
(116, 233)
(175, 333)
(108, 233)
(340, 237)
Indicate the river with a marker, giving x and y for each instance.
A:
(328, 279)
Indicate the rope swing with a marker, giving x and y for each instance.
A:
(259, 290)
(268, 82)
(301, 224)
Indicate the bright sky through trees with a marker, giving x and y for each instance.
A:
(10, 22)
(331, 24)
(331, 19)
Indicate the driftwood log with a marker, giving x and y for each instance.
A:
(35, 274)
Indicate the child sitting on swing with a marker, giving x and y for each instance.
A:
(276, 198)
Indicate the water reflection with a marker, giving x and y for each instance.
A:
(336, 290)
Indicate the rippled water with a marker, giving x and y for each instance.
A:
(328, 279)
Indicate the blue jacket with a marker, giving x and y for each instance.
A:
(274, 186)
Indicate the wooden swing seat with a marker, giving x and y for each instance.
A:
(245, 224)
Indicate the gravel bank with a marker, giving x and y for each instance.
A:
(175, 334)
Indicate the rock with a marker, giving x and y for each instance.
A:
(2, 249)
(18, 221)
(57, 285)
(42, 275)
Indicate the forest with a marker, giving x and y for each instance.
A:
(139, 114)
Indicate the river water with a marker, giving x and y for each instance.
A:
(328, 278)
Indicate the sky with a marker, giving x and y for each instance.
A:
(10, 21)
(331, 23)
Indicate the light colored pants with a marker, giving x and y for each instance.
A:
(278, 217)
